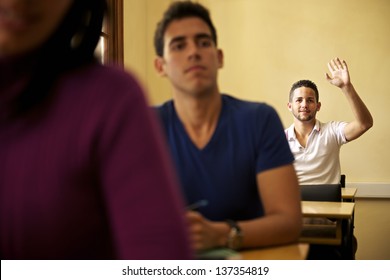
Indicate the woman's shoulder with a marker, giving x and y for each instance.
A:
(114, 76)
(103, 81)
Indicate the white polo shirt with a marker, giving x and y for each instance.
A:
(319, 161)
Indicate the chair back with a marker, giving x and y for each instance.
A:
(342, 180)
(323, 192)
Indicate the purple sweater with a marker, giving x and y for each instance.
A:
(87, 176)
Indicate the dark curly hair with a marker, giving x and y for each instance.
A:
(304, 83)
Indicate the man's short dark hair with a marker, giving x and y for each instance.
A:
(304, 83)
(180, 10)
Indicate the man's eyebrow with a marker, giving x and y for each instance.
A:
(177, 39)
(203, 36)
(197, 37)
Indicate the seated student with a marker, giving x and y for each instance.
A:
(83, 172)
(230, 152)
(316, 145)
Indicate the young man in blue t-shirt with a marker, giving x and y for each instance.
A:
(228, 152)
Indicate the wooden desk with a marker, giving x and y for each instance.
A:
(348, 194)
(286, 252)
(325, 209)
(326, 234)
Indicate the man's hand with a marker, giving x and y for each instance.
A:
(339, 75)
(205, 234)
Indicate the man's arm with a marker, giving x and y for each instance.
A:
(282, 220)
(281, 223)
(340, 77)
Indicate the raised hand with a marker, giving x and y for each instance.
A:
(339, 74)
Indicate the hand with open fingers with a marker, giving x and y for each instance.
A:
(339, 74)
(203, 233)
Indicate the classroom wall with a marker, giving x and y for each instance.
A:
(268, 45)
(372, 228)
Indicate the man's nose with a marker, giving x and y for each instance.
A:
(193, 50)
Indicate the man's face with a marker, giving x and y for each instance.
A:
(304, 105)
(191, 59)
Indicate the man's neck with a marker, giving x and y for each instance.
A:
(199, 115)
(303, 129)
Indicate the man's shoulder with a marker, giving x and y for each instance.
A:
(245, 105)
(334, 130)
(289, 131)
(165, 106)
(330, 125)
(164, 110)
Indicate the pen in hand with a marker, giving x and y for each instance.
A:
(196, 205)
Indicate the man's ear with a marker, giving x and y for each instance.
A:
(318, 106)
(289, 106)
(220, 58)
(159, 66)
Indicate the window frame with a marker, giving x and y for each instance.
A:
(112, 34)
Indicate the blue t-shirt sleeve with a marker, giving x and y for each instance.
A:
(272, 146)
